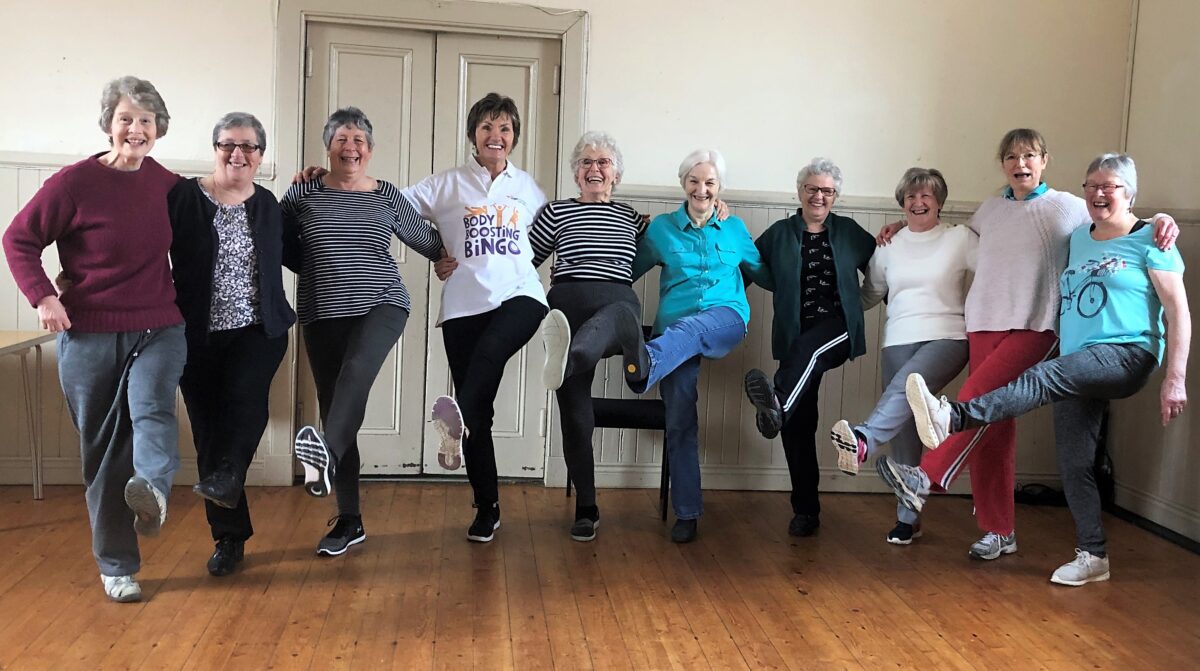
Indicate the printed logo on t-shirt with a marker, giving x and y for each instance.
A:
(1082, 287)
(492, 229)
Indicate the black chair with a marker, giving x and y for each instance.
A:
(635, 413)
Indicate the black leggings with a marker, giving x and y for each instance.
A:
(591, 310)
(477, 348)
(345, 355)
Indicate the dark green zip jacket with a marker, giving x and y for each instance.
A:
(780, 245)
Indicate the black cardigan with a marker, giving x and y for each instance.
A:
(194, 257)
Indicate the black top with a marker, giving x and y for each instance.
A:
(194, 249)
(820, 300)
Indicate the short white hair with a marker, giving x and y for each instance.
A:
(820, 166)
(600, 141)
(1120, 165)
(703, 156)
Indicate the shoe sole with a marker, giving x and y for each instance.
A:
(556, 337)
(215, 501)
(586, 539)
(634, 357)
(761, 394)
(124, 598)
(336, 553)
(908, 498)
(1004, 550)
(916, 393)
(448, 422)
(846, 444)
(1077, 583)
(141, 500)
(313, 453)
(484, 539)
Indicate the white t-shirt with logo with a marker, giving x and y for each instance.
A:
(484, 224)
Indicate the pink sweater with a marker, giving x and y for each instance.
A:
(113, 235)
(1022, 250)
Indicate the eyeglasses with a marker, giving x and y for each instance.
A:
(1106, 188)
(601, 163)
(827, 191)
(1029, 156)
(228, 147)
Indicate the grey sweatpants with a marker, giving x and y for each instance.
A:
(939, 362)
(1079, 385)
(120, 391)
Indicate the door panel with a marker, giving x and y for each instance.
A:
(469, 67)
(388, 74)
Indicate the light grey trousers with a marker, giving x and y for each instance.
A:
(939, 362)
(120, 391)
(1080, 386)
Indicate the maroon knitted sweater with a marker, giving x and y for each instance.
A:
(113, 235)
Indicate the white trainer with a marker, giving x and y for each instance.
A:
(448, 422)
(1085, 568)
(149, 506)
(556, 336)
(931, 414)
(122, 588)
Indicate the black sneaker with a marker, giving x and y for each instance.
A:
(226, 556)
(804, 525)
(586, 521)
(684, 531)
(768, 412)
(222, 487)
(318, 461)
(487, 520)
(347, 530)
(904, 533)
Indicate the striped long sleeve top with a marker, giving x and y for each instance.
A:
(594, 241)
(346, 238)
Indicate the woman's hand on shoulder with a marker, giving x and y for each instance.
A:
(52, 315)
(444, 267)
(888, 232)
(309, 174)
(1165, 231)
(722, 210)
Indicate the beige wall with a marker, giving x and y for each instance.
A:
(876, 85)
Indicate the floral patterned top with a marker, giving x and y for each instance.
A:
(235, 300)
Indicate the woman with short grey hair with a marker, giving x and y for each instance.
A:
(352, 305)
(121, 344)
(226, 259)
(813, 262)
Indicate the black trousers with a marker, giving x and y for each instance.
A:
(225, 386)
(592, 311)
(477, 348)
(819, 348)
(345, 355)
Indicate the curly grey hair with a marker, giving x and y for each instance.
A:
(820, 166)
(351, 117)
(142, 93)
(600, 141)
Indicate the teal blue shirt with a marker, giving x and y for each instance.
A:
(1107, 295)
(1041, 188)
(701, 267)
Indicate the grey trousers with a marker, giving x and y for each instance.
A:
(120, 391)
(939, 362)
(590, 308)
(1079, 385)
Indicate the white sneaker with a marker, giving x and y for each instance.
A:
(148, 505)
(448, 422)
(556, 336)
(1085, 568)
(992, 545)
(122, 588)
(931, 414)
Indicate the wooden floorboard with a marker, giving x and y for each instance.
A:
(417, 595)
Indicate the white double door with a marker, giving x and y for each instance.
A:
(416, 87)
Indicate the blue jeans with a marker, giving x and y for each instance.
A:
(675, 361)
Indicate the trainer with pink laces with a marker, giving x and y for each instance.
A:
(1116, 290)
(924, 275)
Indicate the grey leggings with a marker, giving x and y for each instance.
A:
(938, 361)
(590, 309)
(1079, 385)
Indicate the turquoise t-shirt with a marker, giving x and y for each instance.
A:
(1107, 296)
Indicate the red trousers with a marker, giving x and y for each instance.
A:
(996, 358)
